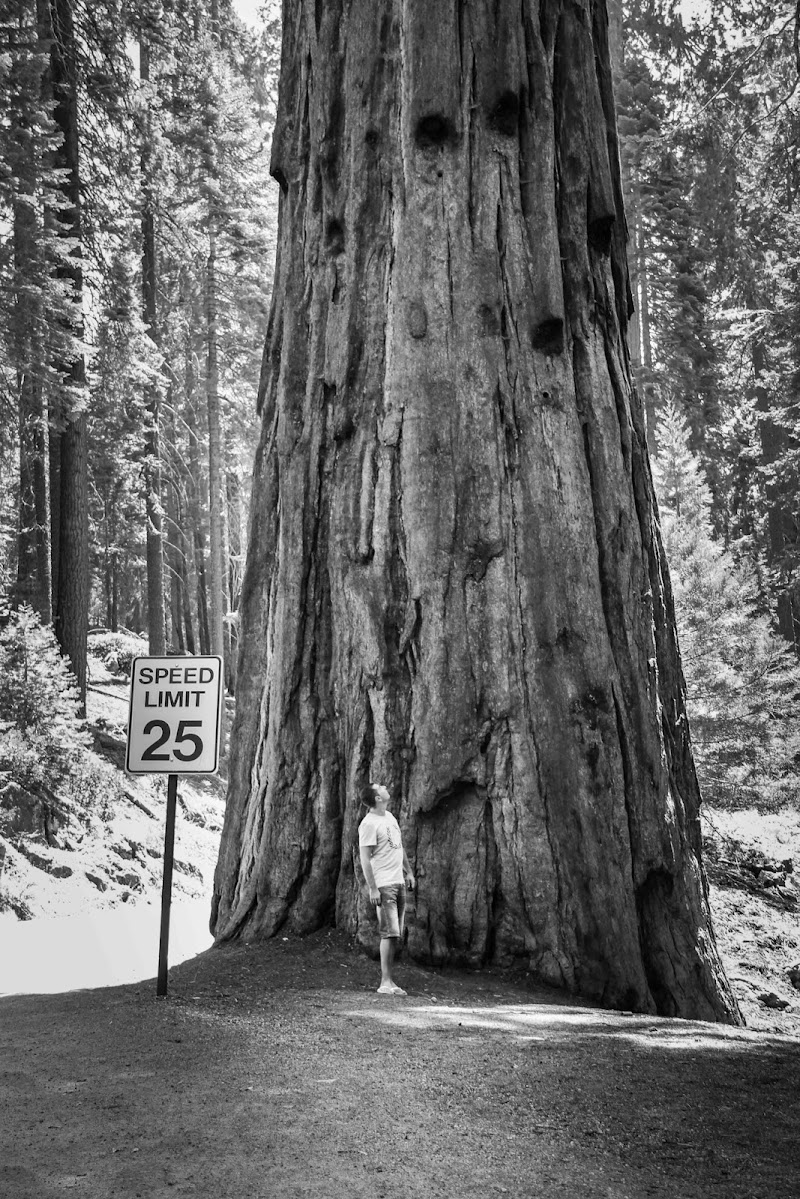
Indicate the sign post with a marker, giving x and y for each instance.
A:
(166, 884)
(174, 727)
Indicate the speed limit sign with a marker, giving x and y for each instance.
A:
(174, 727)
(174, 721)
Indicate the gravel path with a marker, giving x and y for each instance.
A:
(275, 1071)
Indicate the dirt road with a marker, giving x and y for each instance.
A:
(276, 1072)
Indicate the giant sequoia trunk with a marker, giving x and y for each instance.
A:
(455, 582)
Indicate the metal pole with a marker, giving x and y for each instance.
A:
(166, 886)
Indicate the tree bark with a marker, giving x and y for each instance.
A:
(455, 581)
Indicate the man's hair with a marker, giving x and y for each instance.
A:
(369, 794)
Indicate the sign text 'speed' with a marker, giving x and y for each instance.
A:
(176, 675)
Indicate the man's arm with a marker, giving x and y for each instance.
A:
(365, 854)
(408, 872)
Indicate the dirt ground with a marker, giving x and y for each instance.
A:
(276, 1071)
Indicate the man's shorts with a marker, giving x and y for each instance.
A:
(392, 910)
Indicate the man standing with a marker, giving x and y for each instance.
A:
(387, 871)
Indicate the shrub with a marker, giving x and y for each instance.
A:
(117, 650)
(45, 747)
(37, 688)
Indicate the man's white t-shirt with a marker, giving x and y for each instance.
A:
(387, 859)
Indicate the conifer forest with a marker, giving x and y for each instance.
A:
(138, 234)
(167, 210)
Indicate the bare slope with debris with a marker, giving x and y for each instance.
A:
(111, 854)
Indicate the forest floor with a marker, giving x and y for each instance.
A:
(275, 1071)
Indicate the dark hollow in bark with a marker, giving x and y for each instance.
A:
(600, 233)
(504, 117)
(434, 130)
(280, 178)
(455, 581)
(334, 236)
(549, 336)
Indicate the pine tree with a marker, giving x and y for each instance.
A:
(743, 684)
(664, 157)
(215, 275)
(710, 139)
(139, 412)
(34, 306)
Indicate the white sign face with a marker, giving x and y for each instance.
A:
(175, 716)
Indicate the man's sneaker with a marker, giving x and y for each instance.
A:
(390, 989)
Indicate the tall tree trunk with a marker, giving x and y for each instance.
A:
(175, 548)
(230, 670)
(781, 528)
(201, 575)
(217, 560)
(108, 567)
(29, 325)
(71, 606)
(30, 345)
(156, 613)
(643, 355)
(188, 499)
(34, 579)
(194, 507)
(112, 555)
(216, 460)
(616, 40)
(639, 342)
(235, 509)
(178, 539)
(188, 611)
(455, 580)
(54, 476)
